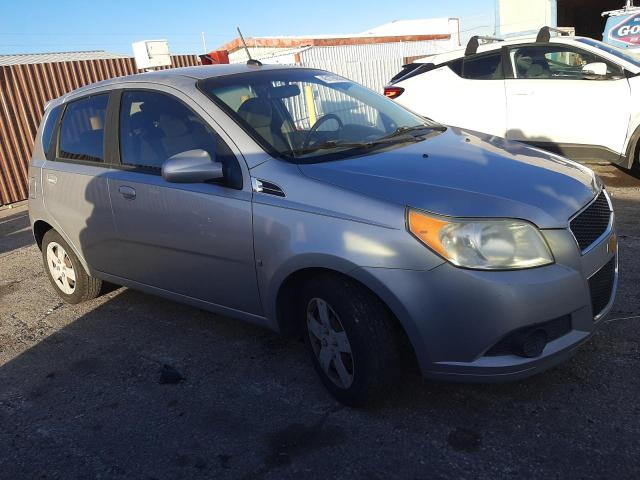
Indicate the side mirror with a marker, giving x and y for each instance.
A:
(192, 166)
(598, 69)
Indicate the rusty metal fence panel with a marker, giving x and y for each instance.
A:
(24, 91)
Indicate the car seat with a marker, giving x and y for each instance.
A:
(258, 113)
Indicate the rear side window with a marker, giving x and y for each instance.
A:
(484, 67)
(82, 129)
(411, 70)
(49, 126)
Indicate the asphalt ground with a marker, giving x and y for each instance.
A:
(131, 386)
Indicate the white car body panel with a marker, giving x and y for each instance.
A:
(600, 116)
(569, 111)
(482, 102)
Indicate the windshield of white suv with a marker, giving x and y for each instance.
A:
(625, 55)
(313, 115)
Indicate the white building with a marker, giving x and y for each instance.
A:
(371, 57)
(517, 17)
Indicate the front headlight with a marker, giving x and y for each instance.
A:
(492, 244)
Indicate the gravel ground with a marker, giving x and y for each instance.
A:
(132, 386)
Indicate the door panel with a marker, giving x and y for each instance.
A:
(75, 187)
(77, 198)
(553, 101)
(569, 111)
(192, 239)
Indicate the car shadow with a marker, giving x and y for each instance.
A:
(15, 231)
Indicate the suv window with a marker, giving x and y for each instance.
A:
(483, 67)
(47, 129)
(155, 126)
(555, 61)
(82, 129)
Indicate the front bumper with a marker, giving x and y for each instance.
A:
(454, 317)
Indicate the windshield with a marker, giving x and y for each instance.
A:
(625, 55)
(308, 115)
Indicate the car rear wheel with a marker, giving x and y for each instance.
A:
(67, 275)
(351, 338)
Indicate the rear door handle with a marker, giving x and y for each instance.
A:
(523, 93)
(127, 192)
(52, 179)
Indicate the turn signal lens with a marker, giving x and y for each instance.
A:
(493, 244)
(393, 92)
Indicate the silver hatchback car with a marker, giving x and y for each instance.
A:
(303, 202)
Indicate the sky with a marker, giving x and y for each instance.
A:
(28, 26)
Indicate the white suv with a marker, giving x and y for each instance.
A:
(572, 95)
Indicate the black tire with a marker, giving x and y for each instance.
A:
(85, 287)
(635, 167)
(372, 338)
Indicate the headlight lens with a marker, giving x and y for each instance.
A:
(482, 244)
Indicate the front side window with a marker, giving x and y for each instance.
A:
(557, 62)
(82, 129)
(304, 113)
(154, 126)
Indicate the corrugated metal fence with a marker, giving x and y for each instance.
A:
(25, 89)
(372, 65)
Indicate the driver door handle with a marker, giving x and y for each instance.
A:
(127, 192)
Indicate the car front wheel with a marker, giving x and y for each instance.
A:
(351, 338)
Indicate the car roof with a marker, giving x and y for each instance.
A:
(173, 76)
(488, 47)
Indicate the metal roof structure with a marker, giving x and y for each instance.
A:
(32, 58)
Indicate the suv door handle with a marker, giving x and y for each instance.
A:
(127, 192)
(52, 179)
(523, 93)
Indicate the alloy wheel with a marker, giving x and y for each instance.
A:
(61, 268)
(330, 343)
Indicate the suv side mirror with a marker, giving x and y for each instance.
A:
(192, 166)
(598, 69)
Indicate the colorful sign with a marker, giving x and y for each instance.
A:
(623, 30)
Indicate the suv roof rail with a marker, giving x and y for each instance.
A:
(474, 43)
(544, 35)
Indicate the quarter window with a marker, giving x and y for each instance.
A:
(82, 129)
(47, 129)
(155, 126)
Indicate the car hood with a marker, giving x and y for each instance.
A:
(468, 174)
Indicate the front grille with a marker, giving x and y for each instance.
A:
(510, 345)
(591, 223)
(601, 287)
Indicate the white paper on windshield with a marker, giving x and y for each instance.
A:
(328, 78)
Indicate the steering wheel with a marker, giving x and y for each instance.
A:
(320, 121)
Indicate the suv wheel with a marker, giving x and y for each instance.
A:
(350, 337)
(66, 273)
(635, 166)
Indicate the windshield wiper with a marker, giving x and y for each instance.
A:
(395, 136)
(328, 145)
(402, 130)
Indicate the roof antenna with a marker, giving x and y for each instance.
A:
(251, 61)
